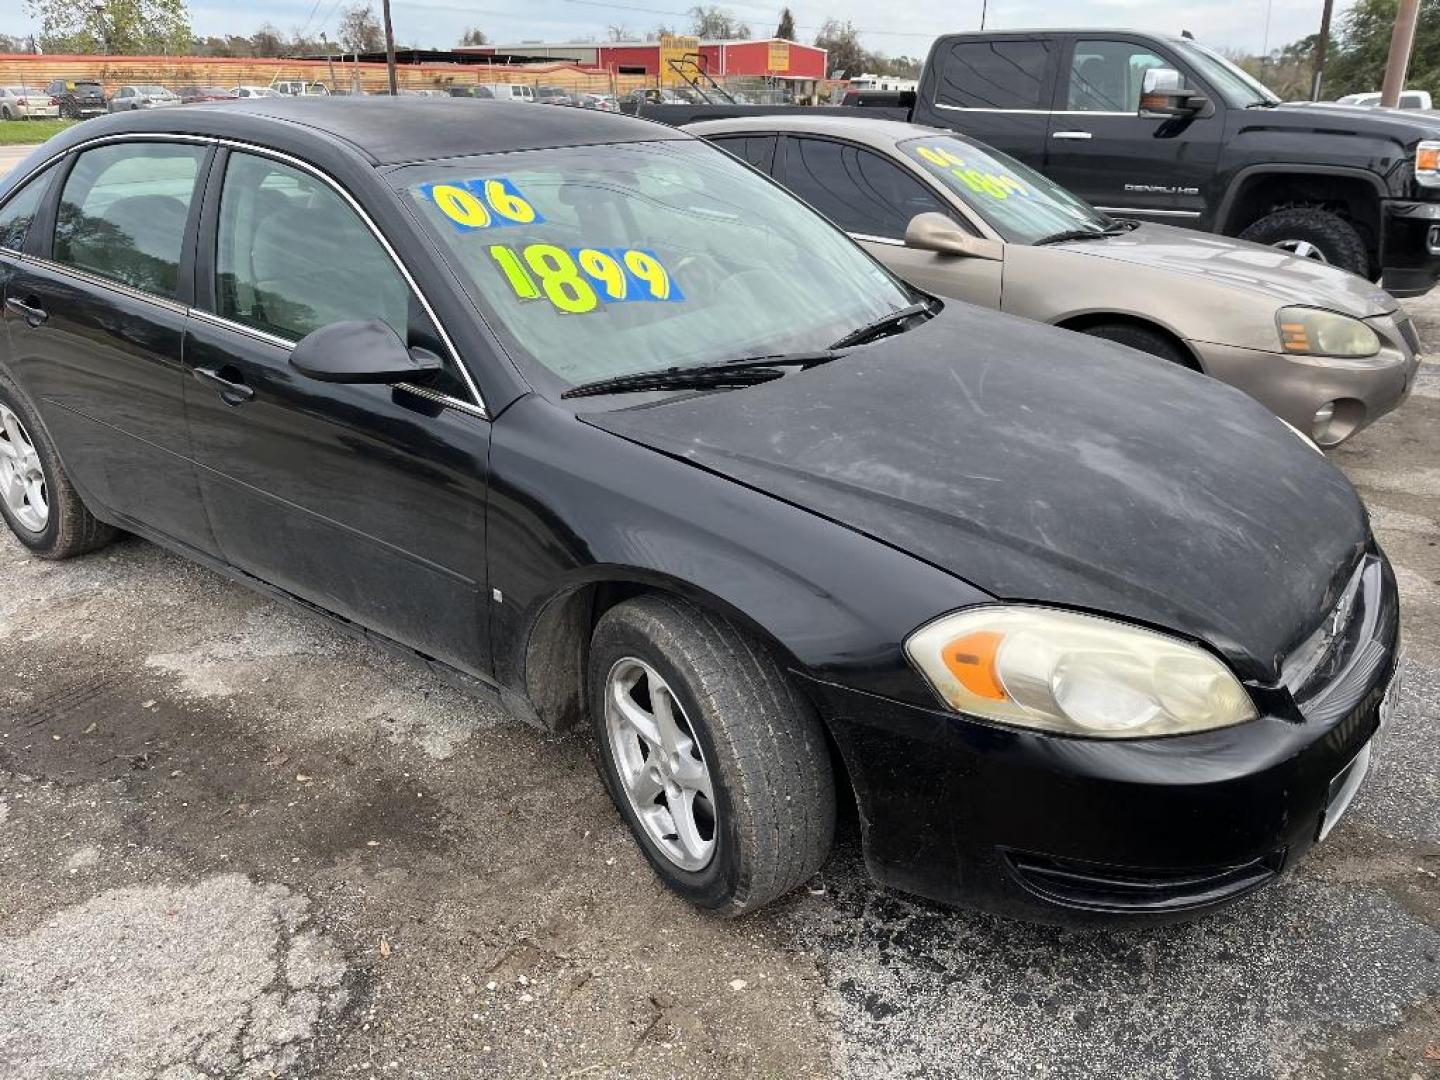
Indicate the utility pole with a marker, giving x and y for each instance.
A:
(1322, 46)
(1402, 40)
(389, 46)
(984, 8)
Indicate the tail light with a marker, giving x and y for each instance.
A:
(22, 101)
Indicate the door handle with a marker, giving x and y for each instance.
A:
(1071, 135)
(32, 313)
(232, 391)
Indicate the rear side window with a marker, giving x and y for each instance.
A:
(20, 210)
(292, 256)
(757, 150)
(995, 75)
(857, 189)
(123, 212)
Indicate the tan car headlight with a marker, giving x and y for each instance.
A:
(1316, 332)
(1061, 671)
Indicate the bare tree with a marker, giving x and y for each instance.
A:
(716, 24)
(618, 32)
(360, 30)
(473, 35)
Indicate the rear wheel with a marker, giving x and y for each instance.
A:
(1145, 340)
(1311, 233)
(719, 766)
(37, 499)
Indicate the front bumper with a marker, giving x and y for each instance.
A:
(1069, 830)
(1410, 246)
(1294, 388)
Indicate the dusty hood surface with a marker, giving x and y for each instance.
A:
(1043, 465)
(1254, 268)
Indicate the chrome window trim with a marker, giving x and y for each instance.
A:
(476, 407)
(100, 282)
(1152, 213)
(1036, 112)
(869, 239)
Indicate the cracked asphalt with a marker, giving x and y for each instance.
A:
(235, 843)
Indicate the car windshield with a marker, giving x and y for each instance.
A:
(1014, 200)
(1238, 87)
(597, 261)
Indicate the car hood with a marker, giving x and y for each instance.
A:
(1254, 268)
(1045, 466)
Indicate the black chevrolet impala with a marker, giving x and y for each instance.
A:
(580, 410)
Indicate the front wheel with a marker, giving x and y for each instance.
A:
(1311, 233)
(1145, 340)
(716, 762)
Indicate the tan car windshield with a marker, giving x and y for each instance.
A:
(1016, 201)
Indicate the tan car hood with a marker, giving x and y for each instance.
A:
(1252, 267)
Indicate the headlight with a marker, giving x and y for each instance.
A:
(1313, 332)
(1075, 674)
(1427, 163)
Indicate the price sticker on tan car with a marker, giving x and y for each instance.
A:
(995, 185)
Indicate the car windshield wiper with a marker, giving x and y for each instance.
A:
(1082, 234)
(743, 371)
(885, 324)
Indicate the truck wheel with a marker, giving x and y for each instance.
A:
(37, 500)
(1145, 340)
(1315, 234)
(716, 762)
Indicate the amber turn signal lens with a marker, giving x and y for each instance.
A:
(1294, 338)
(971, 659)
(1427, 158)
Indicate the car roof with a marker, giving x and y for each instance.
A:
(386, 130)
(872, 131)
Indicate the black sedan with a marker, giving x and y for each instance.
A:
(582, 410)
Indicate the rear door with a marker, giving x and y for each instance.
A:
(96, 317)
(367, 500)
(1104, 151)
(998, 89)
(874, 199)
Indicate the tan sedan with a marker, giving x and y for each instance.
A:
(1328, 351)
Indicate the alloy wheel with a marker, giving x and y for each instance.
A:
(22, 480)
(1303, 249)
(660, 763)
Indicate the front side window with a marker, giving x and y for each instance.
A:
(291, 256)
(1015, 200)
(1105, 76)
(995, 75)
(596, 261)
(20, 209)
(855, 188)
(123, 212)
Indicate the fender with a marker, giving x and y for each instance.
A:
(1243, 175)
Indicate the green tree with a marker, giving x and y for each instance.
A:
(717, 24)
(133, 27)
(786, 29)
(1358, 64)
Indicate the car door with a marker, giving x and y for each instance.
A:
(873, 199)
(364, 499)
(999, 90)
(1104, 151)
(96, 317)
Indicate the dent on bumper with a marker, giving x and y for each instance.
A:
(1295, 387)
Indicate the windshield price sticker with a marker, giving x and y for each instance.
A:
(580, 279)
(995, 185)
(492, 203)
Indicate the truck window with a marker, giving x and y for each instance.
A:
(858, 190)
(994, 75)
(1105, 76)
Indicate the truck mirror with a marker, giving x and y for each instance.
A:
(1162, 93)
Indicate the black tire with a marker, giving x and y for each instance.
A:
(5, 112)
(70, 528)
(1145, 340)
(761, 740)
(1338, 241)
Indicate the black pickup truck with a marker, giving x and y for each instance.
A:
(1163, 129)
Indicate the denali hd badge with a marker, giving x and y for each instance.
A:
(1161, 189)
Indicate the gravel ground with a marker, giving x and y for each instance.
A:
(238, 844)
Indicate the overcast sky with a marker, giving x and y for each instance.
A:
(891, 26)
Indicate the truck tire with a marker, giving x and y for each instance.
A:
(1145, 340)
(716, 761)
(1312, 233)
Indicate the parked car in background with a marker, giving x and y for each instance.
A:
(1327, 351)
(26, 103)
(130, 98)
(1409, 99)
(472, 91)
(190, 95)
(255, 91)
(600, 102)
(586, 411)
(300, 88)
(556, 95)
(512, 91)
(78, 98)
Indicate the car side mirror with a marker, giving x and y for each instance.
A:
(936, 232)
(1163, 93)
(360, 351)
